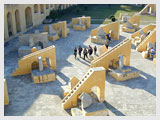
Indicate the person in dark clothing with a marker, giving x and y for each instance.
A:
(75, 52)
(90, 50)
(108, 36)
(85, 53)
(107, 45)
(95, 50)
(40, 44)
(80, 50)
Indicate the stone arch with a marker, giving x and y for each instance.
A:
(28, 17)
(42, 8)
(17, 19)
(34, 65)
(47, 6)
(149, 9)
(10, 24)
(35, 8)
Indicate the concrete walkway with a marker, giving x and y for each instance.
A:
(132, 97)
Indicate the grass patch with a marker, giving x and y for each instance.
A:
(103, 12)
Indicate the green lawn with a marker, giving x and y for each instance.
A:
(102, 12)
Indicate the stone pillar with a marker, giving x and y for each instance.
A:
(40, 63)
(121, 62)
(80, 21)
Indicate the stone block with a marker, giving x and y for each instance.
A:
(76, 111)
(86, 100)
(6, 97)
(125, 29)
(96, 39)
(47, 75)
(79, 27)
(96, 109)
(65, 90)
(53, 37)
(144, 54)
(122, 75)
(84, 20)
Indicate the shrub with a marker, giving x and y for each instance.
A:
(110, 17)
(113, 19)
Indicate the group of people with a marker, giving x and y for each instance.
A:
(85, 51)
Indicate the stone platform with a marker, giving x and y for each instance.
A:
(47, 75)
(125, 73)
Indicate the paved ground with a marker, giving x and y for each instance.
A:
(133, 97)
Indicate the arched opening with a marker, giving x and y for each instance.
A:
(95, 93)
(42, 8)
(28, 16)
(114, 63)
(36, 8)
(35, 65)
(17, 17)
(149, 10)
(47, 6)
(9, 22)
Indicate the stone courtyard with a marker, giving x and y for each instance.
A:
(134, 97)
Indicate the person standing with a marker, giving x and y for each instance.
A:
(40, 44)
(109, 37)
(85, 53)
(90, 50)
(152, 51)
(107, 45)
(80, 50)
(95, 50)
(75, 52)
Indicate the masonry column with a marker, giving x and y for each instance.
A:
(40, 63)
(121, 62)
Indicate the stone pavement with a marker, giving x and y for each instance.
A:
(133, 97)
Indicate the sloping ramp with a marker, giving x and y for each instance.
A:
(123, 48)
(148, 9)
(145, 29)
(25, 63)
(150, 38)
(94, 77)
